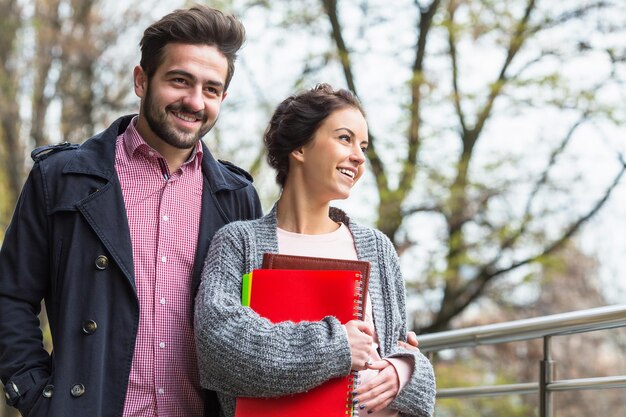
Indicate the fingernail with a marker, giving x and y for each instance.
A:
(355, 401)
(354, 393)
(362, 406)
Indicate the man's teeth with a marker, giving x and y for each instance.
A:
(347, 172)
(185, 118)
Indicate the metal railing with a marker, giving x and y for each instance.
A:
(545, 327)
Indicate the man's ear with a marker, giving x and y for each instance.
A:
(140, 81)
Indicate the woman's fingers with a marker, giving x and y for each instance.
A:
(379, 392)
(361, 343)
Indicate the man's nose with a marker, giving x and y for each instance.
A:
(194, 99)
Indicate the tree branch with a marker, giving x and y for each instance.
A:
(517, 40)
(330, 7)
(464, 296)
(48, 27)
(455, 68)
(541, 182)
(410, 164)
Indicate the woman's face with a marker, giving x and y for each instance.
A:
(333, 161)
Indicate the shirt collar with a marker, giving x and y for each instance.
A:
(134, 142)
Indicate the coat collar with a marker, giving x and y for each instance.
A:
(97, 157)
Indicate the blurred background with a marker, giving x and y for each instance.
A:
(496, 164)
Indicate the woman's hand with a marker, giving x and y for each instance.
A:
(379, 392)
(360, 338)
(411, 342)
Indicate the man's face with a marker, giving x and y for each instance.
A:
(181, 101)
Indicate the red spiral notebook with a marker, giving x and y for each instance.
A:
(319, 288)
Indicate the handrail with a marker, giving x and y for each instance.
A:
(545, 327)
(606, 382)
(600, 318)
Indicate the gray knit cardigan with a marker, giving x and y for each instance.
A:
(242, 354)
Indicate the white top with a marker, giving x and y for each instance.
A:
(339, 244)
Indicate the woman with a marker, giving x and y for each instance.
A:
(316, 141)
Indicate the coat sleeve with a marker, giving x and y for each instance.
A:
(243, 354)
(417, 398)
(24, 280)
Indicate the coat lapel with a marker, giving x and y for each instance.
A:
(105, 213)
(213, 216)
(103, 207)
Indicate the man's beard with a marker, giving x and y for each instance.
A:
(158, 123)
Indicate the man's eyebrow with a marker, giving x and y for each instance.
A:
(192, 77)
(182, 74)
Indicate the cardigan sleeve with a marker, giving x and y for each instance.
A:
(417, 397)
(243, 354)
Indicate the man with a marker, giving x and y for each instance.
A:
(113, 234)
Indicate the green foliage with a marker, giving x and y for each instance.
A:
(467, 374)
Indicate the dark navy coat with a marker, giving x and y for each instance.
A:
(69, 243)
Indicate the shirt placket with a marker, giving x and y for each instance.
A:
(161, 301)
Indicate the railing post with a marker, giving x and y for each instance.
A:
(546, 376)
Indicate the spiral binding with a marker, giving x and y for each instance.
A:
(358, 313)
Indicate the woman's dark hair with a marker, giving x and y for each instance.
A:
(199, 25)
(296, 120)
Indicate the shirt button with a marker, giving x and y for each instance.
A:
(77, 390)
(102, 262)
(151, 153)
(162, 301)
(165, 218)
(162, 345)
(161, 391)
(163, 259)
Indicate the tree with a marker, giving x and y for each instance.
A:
(568, 281)
(11, 177)
(58, 54)
(451, 77)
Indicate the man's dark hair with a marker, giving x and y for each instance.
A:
(296, 120)
(198, 25)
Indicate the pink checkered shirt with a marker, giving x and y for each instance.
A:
(163, 212)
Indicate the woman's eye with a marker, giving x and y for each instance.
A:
(345, 137)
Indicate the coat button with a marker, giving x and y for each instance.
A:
(77, 390)
(102, 262)
(89, 326)
(48, 391)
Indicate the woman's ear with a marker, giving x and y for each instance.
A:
(298, 154)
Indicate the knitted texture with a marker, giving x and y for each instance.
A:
(242, 354)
